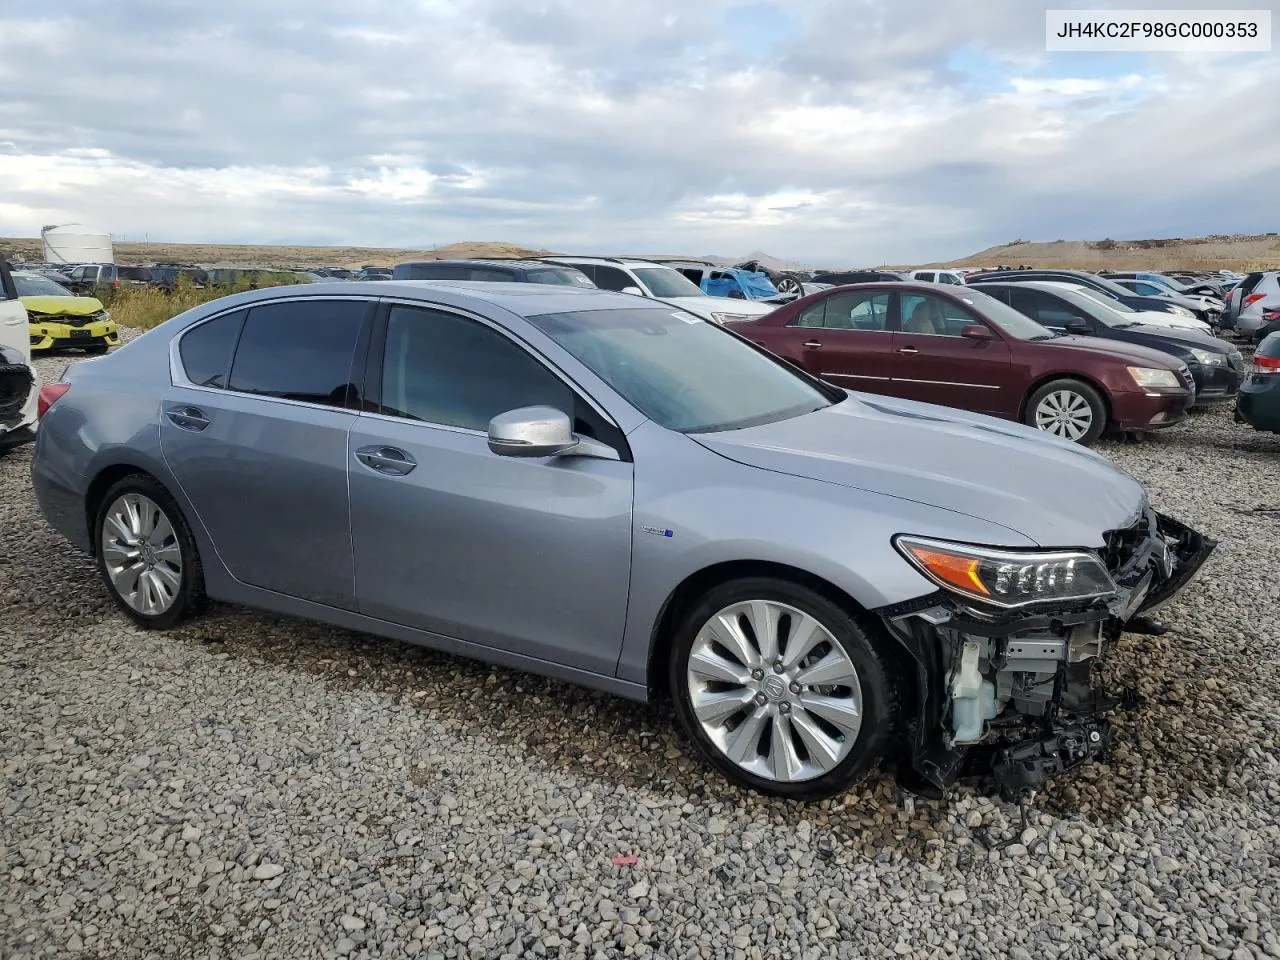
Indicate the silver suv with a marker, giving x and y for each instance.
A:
(660, 282)
(1256, 294)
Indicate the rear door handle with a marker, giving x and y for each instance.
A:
(388, 460)
(188, 418)
(812, 344)
(908, 350)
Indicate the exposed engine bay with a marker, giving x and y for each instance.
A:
(1016, 695)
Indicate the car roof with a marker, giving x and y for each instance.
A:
(521, 299)
(567, 259)
(484, 262)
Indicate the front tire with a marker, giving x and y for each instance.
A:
(1068, 408)
(782, 690)
(146, 554)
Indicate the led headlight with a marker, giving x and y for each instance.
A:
(1207, 358)
(1151, 377)
(1181, 311)
(728, 317)
(1008, 578)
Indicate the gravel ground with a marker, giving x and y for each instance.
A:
(251, 786)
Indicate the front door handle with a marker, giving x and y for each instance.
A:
(812, 344)
(908, 350)
(188, 418)
(388, 460)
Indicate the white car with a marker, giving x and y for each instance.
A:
(657, 281)
(19, 383)
(1149, 318)
(938, 276)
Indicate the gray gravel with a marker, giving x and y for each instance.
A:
(251, 786)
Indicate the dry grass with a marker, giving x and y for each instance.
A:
(146, 307)
(287, 257)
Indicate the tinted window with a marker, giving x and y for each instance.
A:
(665, 282)
(206, 350)
(301, 350)
(926, 275)
(428, 271)
(1046, 309)
(611, 278)
(446, 369)
(923, 313)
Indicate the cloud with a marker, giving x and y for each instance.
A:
(837, 131)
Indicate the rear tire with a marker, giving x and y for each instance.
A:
(1067, 408)
(146, 554)
(782, 690)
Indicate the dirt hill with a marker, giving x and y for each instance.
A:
(227, 254)
(1242, 253)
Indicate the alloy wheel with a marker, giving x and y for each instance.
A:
(774, 691)
(1064, 413)
(141, 553)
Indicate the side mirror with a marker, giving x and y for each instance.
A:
(1078, 326)
(634, 291)
(531, 432)
(976, 331)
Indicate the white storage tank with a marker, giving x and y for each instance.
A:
(76, 243)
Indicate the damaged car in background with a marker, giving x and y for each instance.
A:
(18, 382)
(819, 580)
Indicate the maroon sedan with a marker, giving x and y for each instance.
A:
(962, 348)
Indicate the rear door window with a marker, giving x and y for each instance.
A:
(206, 350)
(611, 278)
(300, 350)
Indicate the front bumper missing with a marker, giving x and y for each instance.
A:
(1049, 713)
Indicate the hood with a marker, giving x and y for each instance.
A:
(1152, 318)
(1053, 492)
(62, 306)
(1182, 336)
(1118, 350)
(705, 306)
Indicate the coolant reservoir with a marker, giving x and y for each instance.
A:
(970, 713)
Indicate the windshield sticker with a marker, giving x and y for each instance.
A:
(686, 317)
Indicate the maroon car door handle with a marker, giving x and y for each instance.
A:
(908, 350)
(812, 344)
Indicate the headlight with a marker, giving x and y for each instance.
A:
(729, 317)
(1181, 311)
(106, 315)
(1006, 578)
(1151, 377)
(1208, 359)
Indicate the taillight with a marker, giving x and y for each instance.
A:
(1265, 365)
(50, 394)
(1253, 298)
(115, 284)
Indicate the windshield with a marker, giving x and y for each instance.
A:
(1101, 309)
(1010, 321)
(1104, 300)
(29, 286)
(681, 372)
(1162, 281)
(665, 282)
(1110, 286)
(559, 276)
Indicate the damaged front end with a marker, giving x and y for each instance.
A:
(1008, 678)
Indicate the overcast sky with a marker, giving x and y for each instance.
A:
(830, 131)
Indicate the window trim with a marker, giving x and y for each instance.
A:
(178, 374)
(372, 381)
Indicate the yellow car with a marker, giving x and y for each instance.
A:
(59, 319)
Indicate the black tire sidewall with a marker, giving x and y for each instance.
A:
(1091, 396)
(875, 673)
(191, 592)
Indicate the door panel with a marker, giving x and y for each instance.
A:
(844, 339)
(268, 479)
(527, 555)
(937, 365)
